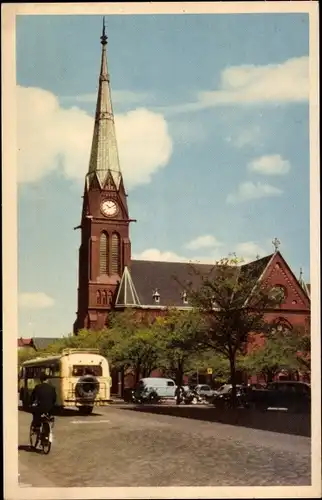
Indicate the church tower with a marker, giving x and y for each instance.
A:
(105, 245)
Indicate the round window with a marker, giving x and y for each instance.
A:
(278, 293)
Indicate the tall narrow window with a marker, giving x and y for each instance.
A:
(115, 251)
(90, 258)
(104, 296)
(104, 254)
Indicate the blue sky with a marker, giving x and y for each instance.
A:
(213, 133)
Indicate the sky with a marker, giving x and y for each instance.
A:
(212, 124)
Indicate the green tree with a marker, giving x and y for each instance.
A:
(303, 350)
(277, 353)
(178, 333)
(217, 362)
(130, 343)
(233, 301)
(25, 354)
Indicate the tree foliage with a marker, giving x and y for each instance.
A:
(277, 353)
(25, 354)
(132, 348)
(233, 302)
(178, 335)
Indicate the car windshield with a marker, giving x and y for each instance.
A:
(224, 388)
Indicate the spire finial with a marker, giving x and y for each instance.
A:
(276, 242)
(103, 37)
(301, 273)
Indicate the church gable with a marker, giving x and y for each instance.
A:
(126, 295)
(279, 274)
(109, 184)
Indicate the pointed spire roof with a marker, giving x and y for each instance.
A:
(303, 284)
(104, 157)
(127, 295)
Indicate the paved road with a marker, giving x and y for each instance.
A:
(120, 447)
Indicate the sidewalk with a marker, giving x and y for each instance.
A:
(281, 422)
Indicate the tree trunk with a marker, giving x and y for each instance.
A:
(179, 377)
(233, 379)
(137, 372)
(270, 376)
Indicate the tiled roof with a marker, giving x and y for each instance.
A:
(43, 342)
(25, 342)
(168, 278)
(256, 267)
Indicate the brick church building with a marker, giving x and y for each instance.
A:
(109, 279)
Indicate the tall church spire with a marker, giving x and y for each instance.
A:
(104, 157)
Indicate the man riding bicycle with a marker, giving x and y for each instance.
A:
(44, 398)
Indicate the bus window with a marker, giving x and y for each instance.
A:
(29, 372)
(54, 370)
(80, 370)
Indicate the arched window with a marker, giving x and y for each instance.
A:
(104, 297)
(115, 251)
(104, 253)
(98, 297)
(281, 325)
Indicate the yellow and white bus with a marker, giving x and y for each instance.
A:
(81, 378)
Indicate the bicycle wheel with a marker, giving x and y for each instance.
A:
(45, 438)
(33, 437)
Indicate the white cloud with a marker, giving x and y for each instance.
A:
(144, 145)
(249, 250)
(251, 191)
(270, 165)
(206, 241)
(158, 255)
(35, 300)
(251, 84)
(51, 137)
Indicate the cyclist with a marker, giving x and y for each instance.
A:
(44, 398)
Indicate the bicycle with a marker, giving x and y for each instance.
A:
(43, 435)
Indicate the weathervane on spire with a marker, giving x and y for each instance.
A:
(276, 242)
(103, 37)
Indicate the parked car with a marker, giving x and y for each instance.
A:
(204, 390)
(163, 387)
(223, 395)
(193, 397)
(284, 394)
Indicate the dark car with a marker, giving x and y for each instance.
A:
(286, 395)
(223, 396)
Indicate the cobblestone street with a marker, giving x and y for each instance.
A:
(117, 447)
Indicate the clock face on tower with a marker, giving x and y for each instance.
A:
(109, 208)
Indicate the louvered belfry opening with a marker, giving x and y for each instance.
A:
(104, 253)
(116, 254)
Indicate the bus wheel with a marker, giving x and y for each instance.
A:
(85, 410)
